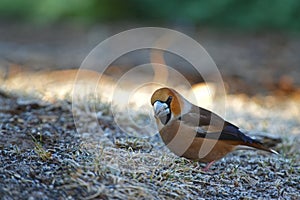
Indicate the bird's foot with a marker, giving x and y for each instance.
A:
(206, 169)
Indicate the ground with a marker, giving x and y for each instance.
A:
(44, 156)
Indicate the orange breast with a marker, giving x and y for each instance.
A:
(181, 140)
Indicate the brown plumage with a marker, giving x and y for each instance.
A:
(196, 133)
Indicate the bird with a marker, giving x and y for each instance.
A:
(196, 133)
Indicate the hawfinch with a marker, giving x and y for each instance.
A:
(196, 133)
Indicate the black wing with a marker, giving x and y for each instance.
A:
(209, 125)
(228, 133)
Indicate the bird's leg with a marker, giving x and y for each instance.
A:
(208, 166)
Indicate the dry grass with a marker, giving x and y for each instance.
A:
(44, 156)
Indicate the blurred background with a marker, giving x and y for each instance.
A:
(255, 44)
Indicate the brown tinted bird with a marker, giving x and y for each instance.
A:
(196, 133)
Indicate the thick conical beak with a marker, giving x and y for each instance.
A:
(160, 109)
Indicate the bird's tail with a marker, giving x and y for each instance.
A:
(258, 145)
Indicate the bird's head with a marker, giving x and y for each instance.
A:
(167, 103)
